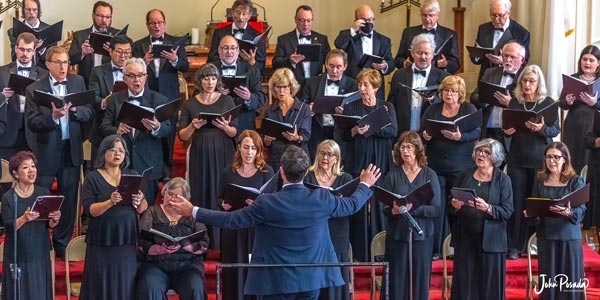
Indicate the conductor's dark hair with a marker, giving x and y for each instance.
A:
(39, 8)
(120, 39)
(303, 7)
(294, 163)
(102, 3)
(589, 49)
(17, 159)
(107, 144)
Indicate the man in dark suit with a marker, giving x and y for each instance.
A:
(241, 10)
(290, 227)
(333, 83)
(15, 134)
(251, 95)
(145, 148)
(361, 39)
(495, 34)
(285, 52)
(409, 104)
(445, 40)
(162, 72)
(59, 138)
(31, 11)
(81, 52)
(102, 82)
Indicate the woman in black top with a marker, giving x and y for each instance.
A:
(287, 109)
(410, 172)
(167, 266)
(326, 171)
(247, 169)
(526, 147)
(479, 237)
(559, 237)
(33, 240)
(110, 257)
(451, 154)
(592, 142)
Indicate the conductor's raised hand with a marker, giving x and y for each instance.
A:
(370, 175)
(182, 206)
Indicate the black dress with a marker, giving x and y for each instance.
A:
(339, 232)
(33, 249)
(110, 257)
(397, 237)
(559, 243)
(210, 152)
(592, 214)
(237, 244)
(181, 271)
(360, 152)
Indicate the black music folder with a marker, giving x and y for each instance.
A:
(251, 45)
(209, 117)
(376, 120)
(419, 196)
(344, 190)
(131, 184)
(475, 51)
(275, 129)
(231, 82)
(158, 48)
(486, 93)
(516, 118)
(436, 54)
(19, 83)
(132, 114)
(425, 91)
(49, 35)
(463, 194)
(327, 104)
(98, 39)
(465, 123)
(367, 60)
(236, 195)
(311, 52)
(158, 237)
(540, 207)
(119, 86)
(44, 205)
(76, 99)
(575, 86)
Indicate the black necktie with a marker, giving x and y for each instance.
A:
(158, 39)
(61, 82)
(135, 99)
(512, 75)
(228, 68)
(235, 31)
(28, 69)
(330, 82)
(430, 31)
(499, 29)
(420, 72)
(115, 69)
(306, 37)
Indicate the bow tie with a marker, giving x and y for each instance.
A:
(430, 31)
(235, 31)
(139, 98)
(367, 35)
(60, 82)
(512, 75)
(228, 68)
(420, 72)
(499, 29)
(306, 37)
(330, 82)
(115, 69)
(28, 69)
(158, 39)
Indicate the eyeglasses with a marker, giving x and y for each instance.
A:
(553, 157)
(171, 195)
(369, 20)
(135, 76)
(281, 87)
(499, 16)
(407, 147)
(304, 20)
(31, 10)
(28, 50)
(226, 48)
(120, 52)
(528, 81)
(428, 15)
(450, 91)
(483, 152)
(327, 154)
(59, 62)
(116, 150)
(102, 16)
(156, 23)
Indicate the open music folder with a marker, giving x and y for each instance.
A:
(463, 194)
(486, 93)
(131, 184)
(236, 195)
(376, 120)
(419, 196)
(426, 91)
(76, 99)
(98, 39)
(327, 104)
(540, 207)
(311, 52)
(476, 51)
(251, 45)
(575, 86)
(159, 237)
(465, 123)
(19, 83)
(344, 190)
(516, 118)
(44, 205)
(158, 48)
(367, 60)
(50, 35)
(132, 114)
(209, 117)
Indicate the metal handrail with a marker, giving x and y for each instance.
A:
(10, 4)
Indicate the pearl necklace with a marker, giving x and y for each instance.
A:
(525, 106)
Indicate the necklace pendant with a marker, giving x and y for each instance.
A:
(478, 183)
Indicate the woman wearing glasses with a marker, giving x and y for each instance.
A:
(326, 171)
(479, 237)
(524, 158)
(409, 173)
(559, 237)
(450, 153)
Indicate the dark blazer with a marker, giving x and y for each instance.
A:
(39, 119)
(401, 97)
(101, 81)
(249, 34)
(382, 46)
(86, 63)
(168, 81)
(501, 199)
(315, 86)
(442, 34)
(485, 38)
(247, 118)
(286, 46)
(145, 149)
(10, 116)
(40, 58)
(290, 227)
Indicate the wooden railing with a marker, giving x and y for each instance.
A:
(5, 6)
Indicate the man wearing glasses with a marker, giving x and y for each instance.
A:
(496, 33)
(144, 147)
(32, 11)
(59, 138)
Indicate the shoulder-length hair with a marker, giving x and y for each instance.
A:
(497, 151)
(589, 49)
(332, 146)
(567, 171)
(259, 159)
(541, 91)
(109, 143)
(207, 70)
(414, 139)
(284, 76)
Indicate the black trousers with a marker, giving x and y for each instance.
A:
(154, 282)
(518, 229)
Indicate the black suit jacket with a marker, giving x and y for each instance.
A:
(40, 58)
(382, 46)
(485, 38)
(101, 81)
(286, 46)
(10, 116)
(86, 63)
(247, 119)
(442, 34)
(249, 34)
(145, 149)
(168, 82)
(315, 86)
(401, 97)
(49, 137)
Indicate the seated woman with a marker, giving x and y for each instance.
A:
(32, 235)
(174, 267)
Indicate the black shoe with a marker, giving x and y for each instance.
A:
(512, 255)
(59, 253)
(436, 256)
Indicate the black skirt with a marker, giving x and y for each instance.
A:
(109, 273)
(36, 280)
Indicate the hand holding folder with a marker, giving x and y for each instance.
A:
(76, 99)
(158, 48)
(418, 197)
(311, 52)
(236, 195)
(98, 40)
(44, 205)
(159, 238)
(132, 114)
(367, 61)
(426, 91)
(465, 123)
(575, 86)
(131, 184)
(251, 45)
(376, 120)
(230, 114)
(327, 104)
(486, 93)
(344, 190)
(19, 83)
(516, 118)
(479, 52)
(49, 35)
(540, 207)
